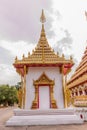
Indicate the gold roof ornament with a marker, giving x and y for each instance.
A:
(16, 58)
(63, 56)
(23, 56)
(28, 54)
(57, 53)
(71, 58)
(42, 18)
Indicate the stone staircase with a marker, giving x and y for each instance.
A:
(44, 117)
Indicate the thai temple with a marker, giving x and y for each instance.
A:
(42, 96)
(42, 75)
(77, 85)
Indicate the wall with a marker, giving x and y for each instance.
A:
(53, 73)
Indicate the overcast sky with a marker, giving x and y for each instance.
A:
(66, 29)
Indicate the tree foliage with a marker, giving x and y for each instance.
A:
(8, 95)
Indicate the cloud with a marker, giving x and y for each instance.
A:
(58, 15)
(12, 49)
(8, 51)
(67, 40)
(49, 26)
(64, 45)
(19, 19)
(76, 63)
(8, 75)
(5, 56)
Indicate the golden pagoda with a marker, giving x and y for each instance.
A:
(78, 83)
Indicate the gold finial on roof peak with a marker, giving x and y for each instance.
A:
(57, 53)
(16, 58)
(23, 56)
(71, 58)
(42, 18)
(63, 56)
(28, 54)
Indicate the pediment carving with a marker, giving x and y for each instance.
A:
(43, 80)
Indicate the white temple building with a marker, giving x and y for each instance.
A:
(42, 98)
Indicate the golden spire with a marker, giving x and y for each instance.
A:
(42, 18)
(16, 58)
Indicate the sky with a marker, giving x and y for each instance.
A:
(66, 30)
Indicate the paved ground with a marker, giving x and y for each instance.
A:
(5, 113)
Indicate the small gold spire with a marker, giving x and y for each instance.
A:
(16, 58)
(63, 56)
(28, 54)
(57, 53)
(33, 51)
(42, 18)
(23, 56)
(71, 57)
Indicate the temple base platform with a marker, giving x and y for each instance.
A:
(23, 117)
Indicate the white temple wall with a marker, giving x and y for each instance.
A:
(53, 73)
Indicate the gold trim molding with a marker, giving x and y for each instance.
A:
(44, 80)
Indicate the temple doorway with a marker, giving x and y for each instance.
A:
(44, 93)
(44, 97)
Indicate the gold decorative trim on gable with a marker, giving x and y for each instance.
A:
(43, 80)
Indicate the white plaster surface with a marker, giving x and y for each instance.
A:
(44, 117)
(44, 96)
(81, 111)
(53, 73)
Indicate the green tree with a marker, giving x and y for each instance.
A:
(8, 95)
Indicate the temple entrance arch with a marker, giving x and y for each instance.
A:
(46, 83)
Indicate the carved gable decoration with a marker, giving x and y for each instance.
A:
(43, 80)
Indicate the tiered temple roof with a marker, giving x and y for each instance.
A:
(80, 75)
(43, 54)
